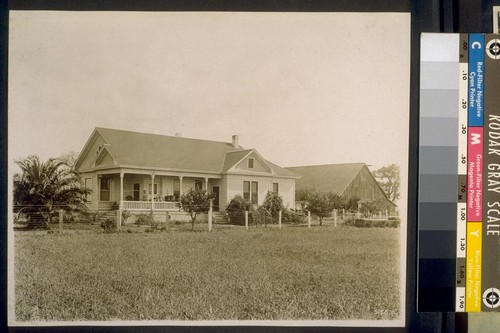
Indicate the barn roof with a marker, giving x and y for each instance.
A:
(128, 148)
(330, 177)
(327, 178)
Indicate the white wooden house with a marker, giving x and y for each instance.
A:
(148, 172)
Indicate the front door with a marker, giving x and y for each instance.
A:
(137, 191)
(215, 190)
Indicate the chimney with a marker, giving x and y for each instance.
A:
(178, 134)
(236, 141)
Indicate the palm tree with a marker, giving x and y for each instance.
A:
(43, 187)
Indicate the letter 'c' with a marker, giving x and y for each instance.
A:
(476, 45)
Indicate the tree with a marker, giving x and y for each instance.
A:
(352, 204)
(389, 180)
(43, 187)
(372, 207)
(302, 194)
(320, 204)
(69, 158)
(195, 202)
(273, 203)
(337, 201)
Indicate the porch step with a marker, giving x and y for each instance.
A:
(109, 213)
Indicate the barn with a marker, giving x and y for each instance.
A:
(347, 179)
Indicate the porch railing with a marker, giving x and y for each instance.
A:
(165, 205)
(146, 205)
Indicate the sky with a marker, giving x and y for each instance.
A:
(301, 88)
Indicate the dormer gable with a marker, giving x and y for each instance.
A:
(90, 151)
(251, 162)
(103, 158)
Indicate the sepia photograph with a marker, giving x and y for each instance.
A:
(208, 168)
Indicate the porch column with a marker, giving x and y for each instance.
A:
(122, 174)
(98, 196)
(206, 184)
(152, 192)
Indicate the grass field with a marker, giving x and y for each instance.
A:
(230, 273)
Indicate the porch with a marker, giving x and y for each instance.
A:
(134, 191)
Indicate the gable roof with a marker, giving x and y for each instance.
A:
(327, 178)
(331, 177)
(233, 157)
(147, 150)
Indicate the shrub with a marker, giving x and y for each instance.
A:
(273, 203)
(125, 215)
(236, 210)
(144, 219)
(292, 217)
(367, 223)
(92, 217)
(109, 225)
(262, 216)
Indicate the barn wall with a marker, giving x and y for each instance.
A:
(365, 187)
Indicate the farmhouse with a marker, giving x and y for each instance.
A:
(349, 180)
(149, 172)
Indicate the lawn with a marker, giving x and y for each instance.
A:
(229, 273)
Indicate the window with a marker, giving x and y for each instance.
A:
(137, 192)
(275, 187)
(88, 185)
(246, 190)
(255, 193)
(177, 189)
(251, 191)
(105, 191)
(155, 189)
(198, 184)
(250, 163)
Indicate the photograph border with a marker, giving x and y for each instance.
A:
(496, 20)
(421, 21)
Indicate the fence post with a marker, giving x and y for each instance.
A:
(335, 217)
(246, 219)
(210, 217)
(379, 214)
(386, 215)
(309, 219)
(343, 213)
(61, 212)
(279, 219)
(357, 214)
